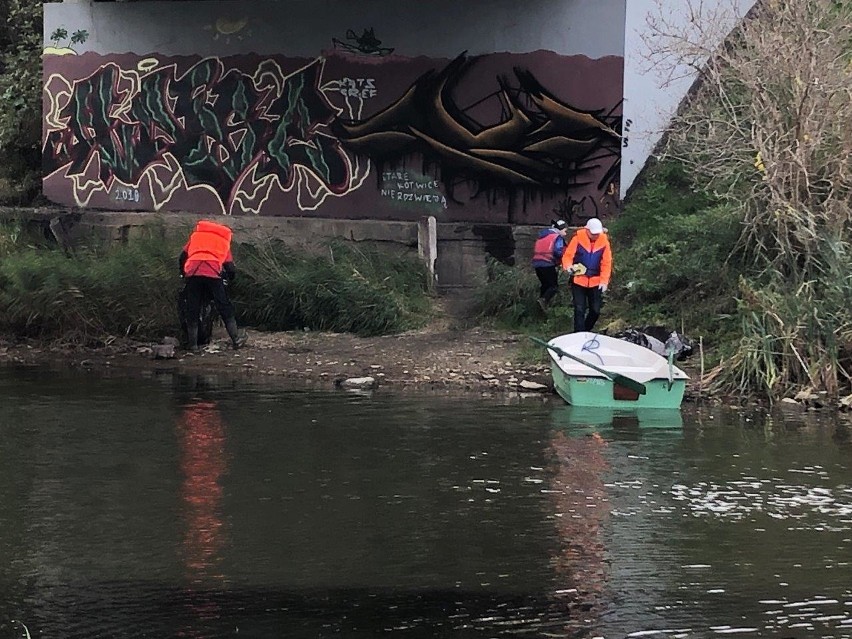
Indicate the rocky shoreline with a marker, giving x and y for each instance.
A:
(436, 358)
(475, 360)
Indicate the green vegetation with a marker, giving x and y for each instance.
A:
(767, 134)
(89, 297)
(20, 101)
(674, 265)
(507, 297)
(343, 289)
(131, 290)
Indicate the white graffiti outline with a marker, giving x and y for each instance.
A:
(246, 187)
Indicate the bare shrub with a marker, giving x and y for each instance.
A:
(767, 128)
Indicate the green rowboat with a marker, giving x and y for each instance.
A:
(597, 370)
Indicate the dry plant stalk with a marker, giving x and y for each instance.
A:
(768, 124)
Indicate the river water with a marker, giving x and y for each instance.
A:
(172, 506)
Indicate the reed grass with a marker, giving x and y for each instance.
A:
(794, 337)
(90, 296)
(131, 290)
(342, 288)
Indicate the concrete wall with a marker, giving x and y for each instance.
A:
(501, 113)
(462, 249)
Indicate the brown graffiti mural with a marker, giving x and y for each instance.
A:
(497, 138)
(539, 145)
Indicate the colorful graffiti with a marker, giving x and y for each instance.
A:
(237, 135)
(278, 136)
(539, 145)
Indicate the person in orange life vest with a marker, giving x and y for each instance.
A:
(589, 247)
(547, 253)
(205, 262)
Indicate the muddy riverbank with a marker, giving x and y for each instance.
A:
(437, 357)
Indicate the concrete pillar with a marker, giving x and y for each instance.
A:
(427, 245)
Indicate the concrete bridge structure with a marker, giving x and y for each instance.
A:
(468, 125)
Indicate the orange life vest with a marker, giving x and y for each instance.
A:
(543, 249)
(595, 256)
(209, 242)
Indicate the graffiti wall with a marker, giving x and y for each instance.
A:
(356, 122)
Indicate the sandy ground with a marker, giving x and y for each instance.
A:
(437, 357)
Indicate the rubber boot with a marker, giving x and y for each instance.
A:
(192, 338)
(238, 338)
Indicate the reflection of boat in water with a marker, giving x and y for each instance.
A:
(593, 417)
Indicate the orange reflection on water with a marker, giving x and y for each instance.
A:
(203, 463)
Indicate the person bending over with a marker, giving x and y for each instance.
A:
(547, 253)
(206, 262)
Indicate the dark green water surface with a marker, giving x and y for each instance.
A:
(176, 506)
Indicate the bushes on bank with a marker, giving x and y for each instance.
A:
(20, 101)
(131, 290)
(343, 288)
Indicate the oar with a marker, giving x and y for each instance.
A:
(617, 378)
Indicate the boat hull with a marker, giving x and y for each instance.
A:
(581, 390)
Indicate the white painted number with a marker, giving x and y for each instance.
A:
(127, 195)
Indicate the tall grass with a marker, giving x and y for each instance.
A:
(794, 337)
(90, 296)
(342, 288)
(131, 290)
(508, 297)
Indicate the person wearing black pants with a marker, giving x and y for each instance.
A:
(206, 262)
(547, 254)
(588, 258)
(587, 306)
(549, 278)
(197, 290)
